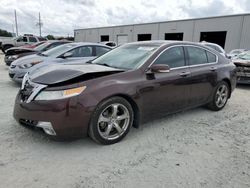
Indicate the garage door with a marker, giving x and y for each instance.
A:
(122, 39)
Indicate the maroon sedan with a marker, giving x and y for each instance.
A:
(130, 84)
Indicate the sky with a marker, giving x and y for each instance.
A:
(61, 17)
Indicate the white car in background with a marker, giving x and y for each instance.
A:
(66, 53)
(109, 43)
(234, 53)
(216, 47)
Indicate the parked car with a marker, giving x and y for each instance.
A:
(242, 63)
(33, 45)
(216, 47)
(109, 43)
(61, 54)
(234, 53)
(14, 53)
(20, 41)
(123, 87)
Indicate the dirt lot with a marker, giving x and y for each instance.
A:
(196, 148)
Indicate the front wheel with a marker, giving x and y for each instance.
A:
(220, 97)
(111, 121)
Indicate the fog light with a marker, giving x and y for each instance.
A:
(47, 127)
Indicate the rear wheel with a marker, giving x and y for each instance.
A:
(111, 121)
(220, 97)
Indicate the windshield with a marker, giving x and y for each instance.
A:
(59, 50)
(129, 56)
(244, 56)
(42, 46)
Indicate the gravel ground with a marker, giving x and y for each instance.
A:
(196, 148)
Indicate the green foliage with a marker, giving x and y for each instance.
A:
(4, 33)
(50, 37)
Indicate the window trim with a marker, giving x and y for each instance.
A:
(184, 54)
(95, 54)
(91, 46)
(187, 65)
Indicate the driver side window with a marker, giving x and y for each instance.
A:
(173, 57)
(84, 51)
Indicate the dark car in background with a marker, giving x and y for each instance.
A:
(129, 84)
(242, 62)
(14, 53)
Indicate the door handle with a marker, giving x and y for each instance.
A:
(213, 68)
(184, 74)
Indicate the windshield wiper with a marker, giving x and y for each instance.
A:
(104, 64)
(89, 62)
(41, 54)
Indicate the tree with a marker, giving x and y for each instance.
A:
(50, 37)
(5, 33)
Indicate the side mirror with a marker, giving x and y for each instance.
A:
(67, 54)
(159, 68)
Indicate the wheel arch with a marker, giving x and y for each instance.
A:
(229, 84)
(134, 105)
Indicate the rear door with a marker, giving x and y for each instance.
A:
(203, 78)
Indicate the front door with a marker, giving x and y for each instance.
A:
(164, 93)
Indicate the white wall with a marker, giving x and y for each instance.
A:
(237, 27)
(230, 24)
(185, 27)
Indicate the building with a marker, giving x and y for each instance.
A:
(231, 31)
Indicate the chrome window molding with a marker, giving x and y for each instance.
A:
(186, 66)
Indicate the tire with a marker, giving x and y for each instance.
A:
(111, 121)
(215, 105)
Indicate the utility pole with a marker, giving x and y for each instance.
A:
(16, 23)
(39, 24)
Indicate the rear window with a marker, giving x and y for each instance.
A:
(211, 57)
(196, 56)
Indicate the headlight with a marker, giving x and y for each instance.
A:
(61, 94)
(13, 57)
(28, 65)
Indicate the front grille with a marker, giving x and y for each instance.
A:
(11, 75)
(27, 122)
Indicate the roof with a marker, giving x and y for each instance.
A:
(169, 21)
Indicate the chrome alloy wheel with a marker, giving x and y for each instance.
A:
(113, 121)
(221, 96)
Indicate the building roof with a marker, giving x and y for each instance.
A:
(168, 21)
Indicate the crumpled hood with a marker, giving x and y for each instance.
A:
(54, 73)
(29, 59)
(241, 62)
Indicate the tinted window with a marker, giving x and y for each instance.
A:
(196, 56)
(32, 39)
(25, 39)
(173, 57)
(84, 51)
(101, 50)
(211, 57)
(52, 45)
